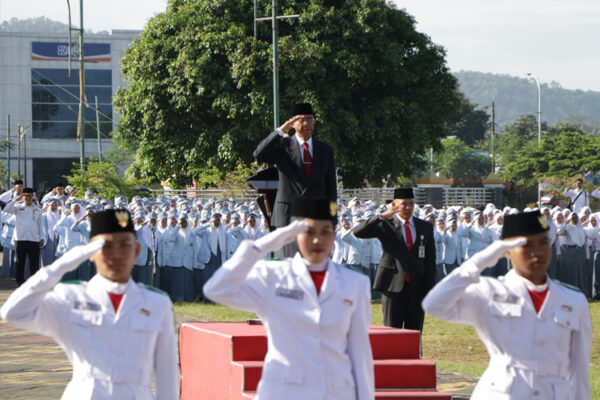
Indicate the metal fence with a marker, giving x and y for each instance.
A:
(437, 196)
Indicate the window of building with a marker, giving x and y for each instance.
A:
(47, 172)
(55, 102)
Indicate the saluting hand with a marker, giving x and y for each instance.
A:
(489, 256)
(289, 124)
(281, 236)
(389, 213)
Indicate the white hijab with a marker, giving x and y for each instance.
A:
(52, 218)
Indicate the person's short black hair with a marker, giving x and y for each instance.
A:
(18, 182)
(60, 184)
(578, 180)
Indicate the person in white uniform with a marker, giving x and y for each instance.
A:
(578, 197)
(316, 312)
(118, 335)
(537, 331)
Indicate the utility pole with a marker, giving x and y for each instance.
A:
(8, 153)
(19, 152)
(80, 128)
(493, 137)
(22, 133)
(98, 129)
(273, 18)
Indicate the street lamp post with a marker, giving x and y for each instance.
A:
(539, 124)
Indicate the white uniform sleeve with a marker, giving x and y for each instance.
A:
(33, 306)
(6, 196)
(457, 297)
(166, 361)
(581, 350)
(237, 284)
(596, 193)
(359, 346)
(10, 207)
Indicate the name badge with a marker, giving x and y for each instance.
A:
(422, 248)
(504, 298)
(86, 305)
(290, 293)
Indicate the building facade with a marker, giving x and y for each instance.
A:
(40, 95)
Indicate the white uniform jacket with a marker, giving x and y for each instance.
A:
(532, 356)
(318, 345)
(113, 356)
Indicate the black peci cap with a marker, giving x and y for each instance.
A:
(27, 190)
(315, 208)
(524, 224)
(403, 193)
(111, 221)
(302, 109)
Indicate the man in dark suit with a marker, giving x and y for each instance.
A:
(407, 268)
(306, 165)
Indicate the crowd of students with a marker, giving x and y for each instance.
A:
(184, 240)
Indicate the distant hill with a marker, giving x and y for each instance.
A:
(40, 25)
(519, 96)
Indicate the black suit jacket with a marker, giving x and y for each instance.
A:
(396, 257)
(293, 180)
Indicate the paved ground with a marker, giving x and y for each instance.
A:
(34, 367)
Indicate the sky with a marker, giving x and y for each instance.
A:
(555, 40)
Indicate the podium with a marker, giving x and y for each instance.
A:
(223, 361)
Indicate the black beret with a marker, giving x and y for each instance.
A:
(111, 221)
(27, 190)
(403, 193)
(315, 208)
(302, 109)
(524, 224)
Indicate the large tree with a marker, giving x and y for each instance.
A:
(200, 86)
(566, 154)
(468, 124)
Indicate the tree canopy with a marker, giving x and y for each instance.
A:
(563, 155)
(200, 87)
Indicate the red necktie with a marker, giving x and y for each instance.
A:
(409, 243)
(409, 240)
(307, 161)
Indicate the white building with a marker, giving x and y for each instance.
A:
(37, 92)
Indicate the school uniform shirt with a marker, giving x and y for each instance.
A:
(114, 354)
(28, 221)
(582, 196)
(452, 248)
(479, 237)
(318, 345)
(543, 355)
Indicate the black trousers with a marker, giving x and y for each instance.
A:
(24, 249)
(403, 310)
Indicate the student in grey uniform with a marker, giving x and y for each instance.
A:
(537, 331)
(118, 335)
(316, 312)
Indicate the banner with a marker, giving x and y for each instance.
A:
(93, 52)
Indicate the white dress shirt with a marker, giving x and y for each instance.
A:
(28, 224)
(300, 143)
(411, 224)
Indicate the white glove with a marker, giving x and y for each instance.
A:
(489, 256)
(275, 240)
(72, 258)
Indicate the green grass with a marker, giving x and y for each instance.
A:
(453, 347)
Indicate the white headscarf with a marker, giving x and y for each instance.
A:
(52, 218)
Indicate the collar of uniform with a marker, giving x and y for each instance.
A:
(97, 290)
(331, 279)
(315, 267)
(113, 287)
(532, 286)
(402, 221)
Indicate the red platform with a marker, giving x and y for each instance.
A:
(223, 361)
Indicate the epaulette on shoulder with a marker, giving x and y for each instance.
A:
(75, 282)
(575, 288)
(156, 290)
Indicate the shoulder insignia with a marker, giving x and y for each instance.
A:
(155, 289)
(575, 288)
(75, 282)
